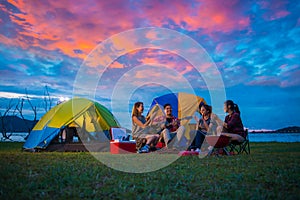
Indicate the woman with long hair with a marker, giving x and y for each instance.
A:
(233, 126)
(203, 126)
(139, 123)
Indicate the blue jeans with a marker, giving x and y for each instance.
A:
(198, 140)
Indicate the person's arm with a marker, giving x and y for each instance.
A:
(138, 122)
(148, 122)
(175, 123)
(197, 122)
(205, 125)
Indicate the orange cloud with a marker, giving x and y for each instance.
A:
(117, 65)
(147, 60)
(171, 61)
(69, 26)
(210, 16)
(187, 69)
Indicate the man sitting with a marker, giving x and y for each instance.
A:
(173, 132)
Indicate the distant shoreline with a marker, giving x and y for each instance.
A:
(291, 129)
(275, 132)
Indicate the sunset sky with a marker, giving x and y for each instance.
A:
(253, 47)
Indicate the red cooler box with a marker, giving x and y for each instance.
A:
(119, 147)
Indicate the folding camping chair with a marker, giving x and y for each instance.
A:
(240, 147)
(218, 143)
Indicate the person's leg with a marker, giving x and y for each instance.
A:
(177, 139)
(180, 141)
(193, 134)
(166, 136)
(199, 139)
(140, 142)
(154, 140)
(146, 147)
(180, 132)
(151, 139)
(234, 137)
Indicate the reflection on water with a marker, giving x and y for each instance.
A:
(253, 137)
(274, 137)
(15, 137)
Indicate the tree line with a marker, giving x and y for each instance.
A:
(16, 108)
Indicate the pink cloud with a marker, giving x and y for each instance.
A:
(275, 9)
(116, 65)
(291, 76)
(224, 47)
(279, 14)
(187, 69)
(283, 66)
(67, 26)
(211, 16)
(205, 67)
(287, 79)
(174, 62)
(290, 56)
(149, 60)
(264, 80)
(224, 17)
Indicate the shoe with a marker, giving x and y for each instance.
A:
(222, 152)
(144, 149)
(198, 150)
(154, 149)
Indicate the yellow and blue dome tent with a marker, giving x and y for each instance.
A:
(91, 118)
(183, 104)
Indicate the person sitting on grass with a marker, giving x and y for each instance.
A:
(139, 130)
(233, 126)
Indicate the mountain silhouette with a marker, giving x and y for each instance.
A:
(291, 129)
(16, 124)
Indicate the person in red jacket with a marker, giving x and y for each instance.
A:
(233, 126)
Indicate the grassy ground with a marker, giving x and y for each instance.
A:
(270, 172)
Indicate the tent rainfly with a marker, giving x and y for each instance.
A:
(91, 120)
(183, 105)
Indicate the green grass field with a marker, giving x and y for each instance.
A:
(270, 172)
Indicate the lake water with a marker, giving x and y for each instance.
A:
(274, 137)
(253, 137)
(16, 137)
